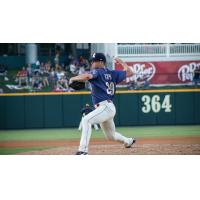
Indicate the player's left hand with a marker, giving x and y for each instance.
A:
(118, 60)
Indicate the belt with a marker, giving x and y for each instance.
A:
(98, 104)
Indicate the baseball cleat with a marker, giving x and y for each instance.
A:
(131, 143)
(81, 153)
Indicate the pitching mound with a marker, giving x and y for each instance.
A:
(145, 146)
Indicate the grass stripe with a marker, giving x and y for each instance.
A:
(11, 151)
(67, 134)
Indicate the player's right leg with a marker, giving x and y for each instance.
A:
(108, 128)
(97, 116)
(80, 125)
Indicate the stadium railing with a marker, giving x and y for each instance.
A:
(161, 50)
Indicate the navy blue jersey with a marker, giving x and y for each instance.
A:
(104, 83)
(86, 110)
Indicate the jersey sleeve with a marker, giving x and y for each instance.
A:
(120, 76)
(94, 73)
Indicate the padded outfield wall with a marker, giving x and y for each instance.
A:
(60, 110)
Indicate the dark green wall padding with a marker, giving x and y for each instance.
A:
(54, 111)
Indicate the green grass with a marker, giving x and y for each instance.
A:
(72, 134)
(44, 134)
(11, 151)
(69, 134)
(162, 131)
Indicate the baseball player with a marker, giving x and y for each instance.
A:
(86, 110)
(103, 83)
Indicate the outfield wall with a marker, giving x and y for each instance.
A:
(53, 110)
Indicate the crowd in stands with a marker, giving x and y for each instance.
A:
(3, 71)
(56, 75)
(196, 77)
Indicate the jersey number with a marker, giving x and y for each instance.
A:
(110, 88)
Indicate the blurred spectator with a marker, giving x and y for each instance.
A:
(59, 73)
(74, 67)
(62, 85)
(37, 81)
(45, 79)
(30, 72)
(61, 81)
(196, 77)
(1, 91)
(48, 66)
(42, 67)
(57, 67)
(83, 62)
(22, 77)
(37, 64)
(70, 59)
(44, 73)
(3, 72)
(81, 70)
(52, 76)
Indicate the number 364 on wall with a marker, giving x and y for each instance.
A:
(155, 104)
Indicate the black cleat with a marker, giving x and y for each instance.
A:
(132, 142)
(81, 153)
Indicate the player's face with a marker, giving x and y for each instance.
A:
(97, 64)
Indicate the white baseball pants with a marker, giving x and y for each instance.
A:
(81, 124)
(102, 115)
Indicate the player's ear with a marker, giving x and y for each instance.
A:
(102, 63)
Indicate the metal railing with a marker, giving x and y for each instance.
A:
(184, 49)
(161, 50)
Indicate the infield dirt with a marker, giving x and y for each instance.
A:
(143, 146)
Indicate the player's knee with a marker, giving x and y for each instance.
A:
(110, 137)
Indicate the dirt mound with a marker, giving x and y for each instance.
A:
(144, 146)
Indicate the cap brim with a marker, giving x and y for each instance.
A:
(93, 60)
(96, 60)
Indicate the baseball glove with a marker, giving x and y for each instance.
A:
(77, 85)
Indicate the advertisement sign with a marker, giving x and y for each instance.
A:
(167, 72)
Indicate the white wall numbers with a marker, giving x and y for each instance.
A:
(155, 105)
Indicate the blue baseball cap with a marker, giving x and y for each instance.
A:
(98, 57)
